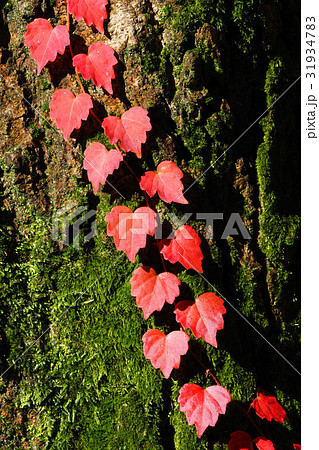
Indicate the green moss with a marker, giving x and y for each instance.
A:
(248, 288)
(279, 222)
(277, 231)
(100, 137)
(45, 84)
(6, 6)
(195, 283)
(191, 14)
(149, 44)
(46, 107)
(219, 128)
(195, 141)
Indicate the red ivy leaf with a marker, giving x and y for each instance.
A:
(130, 229)
(202, 406)
(297, 446)
(68, 110)
(100, 162)
(92, 11)
(267, 407)
(98, 65)
(45, 41)
(263, 444)
(240, 440)
(166, 182)
(152, 290)
(130, 130)
(163, 351)
(204, 317)
(184, 248)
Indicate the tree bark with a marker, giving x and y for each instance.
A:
(220, 82)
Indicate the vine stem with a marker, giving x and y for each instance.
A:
(71, 49)
(248, 416)
(207, 371)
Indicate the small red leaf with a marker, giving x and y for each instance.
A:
(130, 229)
(98, 65)
(68, 110)
(45, 41)
(203, 406)
(184, 248)
(166, 182)
(240, 440)
(163, 351)
(100, 162)
(204, 317)
(263, 444)
(267, 407)
(130, 130)
(92, 11)
(297, 446)
(152, 290)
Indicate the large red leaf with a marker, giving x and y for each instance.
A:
(203, 406)
(267, 407)
(100, 162)
(45, 41)
(129, 130)
(204, 317)
(184, 248)
(69, 110)
(166, 182)
(152, 290)
(164, 351)
(297, 446)
(92, 11)
(130, 229)
(98, 65)
(240, 440)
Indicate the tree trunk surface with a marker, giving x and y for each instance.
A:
(220, 82)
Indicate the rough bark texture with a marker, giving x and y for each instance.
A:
(205, 71)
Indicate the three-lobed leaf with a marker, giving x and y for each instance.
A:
(129, 130)
(130, 229)
(203, 317)
(100, 162)
(45, 42)
(92, 11)
(98, 65)
(267, 407)
(184, 248)
(69, 110)
(163, 351)
(152, 290)
(203, 406)
(166, 182)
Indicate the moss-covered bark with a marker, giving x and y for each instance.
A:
(205, 70)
